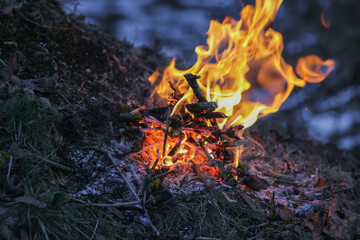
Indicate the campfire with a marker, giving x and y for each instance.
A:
(237, 78)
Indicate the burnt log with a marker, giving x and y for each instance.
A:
(210, 115)
(201, 107)
(128, 117)
(192, 80)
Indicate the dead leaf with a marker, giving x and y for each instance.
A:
(30, 200)
(320, 183)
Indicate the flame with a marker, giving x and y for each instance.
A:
(324, 22)
(242, 69)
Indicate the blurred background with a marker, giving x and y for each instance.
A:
(327, 111)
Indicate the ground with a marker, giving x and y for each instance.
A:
(63, 86)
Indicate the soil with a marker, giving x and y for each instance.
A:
(75, 80)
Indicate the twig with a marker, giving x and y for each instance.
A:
(248, 201)
(206, 152)
(55, 164)
(156, 162)
(116, 204)
(164, 174)
(257, 143)
(235, 144)
(148, 177)
(177, 94)
(151, 225)
(64, 97)
(10, 164)
(207, 181)
(96, 226)
(222, 170)
(207, 238)
(122, 175)
(166, 129)
(148, 216)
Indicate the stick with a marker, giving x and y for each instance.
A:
(207, 181)
(176, 148)
(116, 204)
(148, 177)
(156, 162)
(10, 164)
(222, 170)
(191, 79)
(166, 129)
(177, 94)
(58, 165)
(164, 174)
(248, 201)
(202, 106)
(96, 226)
(235, 144)
(122, 175)
(151, 224)
(210, 115)
(128, 117)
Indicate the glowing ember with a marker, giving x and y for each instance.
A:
(242, 69)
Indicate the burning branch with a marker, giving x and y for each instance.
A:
(192, 80)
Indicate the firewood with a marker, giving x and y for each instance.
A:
(191, 79)
(210, 115)
(207, 181)
(177, 95)
(176, 148)
(128, 117)
(202, 106)
(235, 144)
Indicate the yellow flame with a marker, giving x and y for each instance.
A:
(242, 69)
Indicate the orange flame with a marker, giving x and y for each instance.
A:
(324, 22)
(242, 69)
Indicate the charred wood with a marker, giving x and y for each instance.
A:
(192, 80)
(128, 117)
(210, 115)
(201, 107)
(235, 144)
